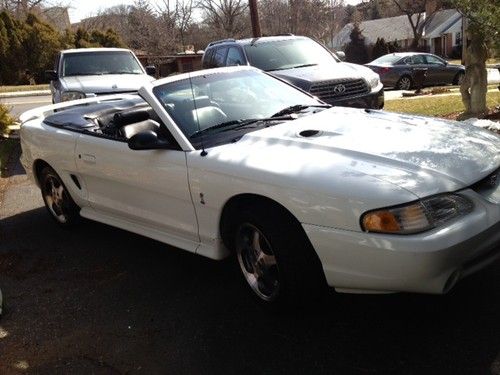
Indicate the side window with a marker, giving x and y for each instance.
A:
(433, 60)
(220, 56)
(418, 60)
(235, 57)
(207, 58)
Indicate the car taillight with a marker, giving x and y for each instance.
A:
(383, 70)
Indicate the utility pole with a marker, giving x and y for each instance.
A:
(254, 17)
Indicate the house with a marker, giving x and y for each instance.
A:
(391, 29)
(442, 32)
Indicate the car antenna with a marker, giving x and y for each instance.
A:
(203, 152)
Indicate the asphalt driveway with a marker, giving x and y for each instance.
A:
(98, 300)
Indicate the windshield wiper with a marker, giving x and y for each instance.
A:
(82, 74)
(228, 125)
(122, 72)
(297, 108)
(303, 66)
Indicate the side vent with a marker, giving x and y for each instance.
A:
(75, 180)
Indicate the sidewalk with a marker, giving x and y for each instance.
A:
(398, 94)
(19, 94)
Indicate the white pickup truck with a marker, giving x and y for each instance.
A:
(90, 72)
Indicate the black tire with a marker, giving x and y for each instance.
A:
(404, 83)
(459, 78)
(57, 199)
(298, 271)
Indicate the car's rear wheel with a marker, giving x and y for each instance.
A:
(57, 200)
(404, 83)
(459, 78)
(276, 259)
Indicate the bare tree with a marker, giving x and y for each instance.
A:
(414, 10)
(20, 8)
(227, 17)
(184, 18)
(274, 16)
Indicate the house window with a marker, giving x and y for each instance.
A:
(458, 38)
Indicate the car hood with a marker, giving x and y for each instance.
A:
(304, 77)
(106, 83)
(422, 155)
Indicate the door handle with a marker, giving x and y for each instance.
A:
(88, 158)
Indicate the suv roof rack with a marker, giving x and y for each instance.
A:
(221, 41)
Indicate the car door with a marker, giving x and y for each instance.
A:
(436, 73)
(146, 188)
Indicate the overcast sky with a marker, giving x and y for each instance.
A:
(84, 8)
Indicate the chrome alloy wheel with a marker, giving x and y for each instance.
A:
(56, 198)
(257, 262)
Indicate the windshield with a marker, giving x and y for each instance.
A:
(286, 54)
(387, 59)
(226, 98)
(97, 63)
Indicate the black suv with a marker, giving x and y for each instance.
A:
(304, 63)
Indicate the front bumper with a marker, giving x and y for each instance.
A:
(429, 262)
(373, 100)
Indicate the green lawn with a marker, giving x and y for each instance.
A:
(435, 106)
(23, 88)
(6, 147)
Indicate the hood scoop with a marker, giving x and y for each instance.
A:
(310, 133)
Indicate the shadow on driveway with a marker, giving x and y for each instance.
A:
(104, 301)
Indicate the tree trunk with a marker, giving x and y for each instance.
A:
(475, 84)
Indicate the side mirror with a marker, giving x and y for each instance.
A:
(147, 140)
(340, 55)
(51, 75)
(151, 70)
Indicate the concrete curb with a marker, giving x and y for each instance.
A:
(20, 94)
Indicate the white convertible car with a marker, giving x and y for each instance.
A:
(306, 195)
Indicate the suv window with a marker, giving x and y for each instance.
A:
(219, 57)
(235, 57)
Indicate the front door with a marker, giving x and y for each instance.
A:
(147, 187)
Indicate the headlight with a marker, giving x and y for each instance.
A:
(416, 217)
(374, 81)
(72, 95)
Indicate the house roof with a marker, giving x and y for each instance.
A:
(441, 22)
(398, 28)
(392, 28)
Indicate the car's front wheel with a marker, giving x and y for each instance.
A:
(57, 200)
(276, 259)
